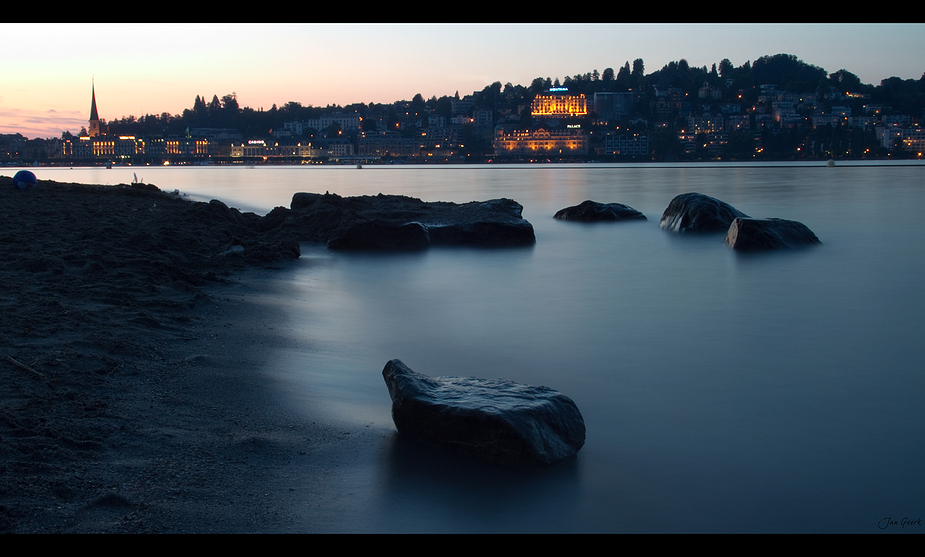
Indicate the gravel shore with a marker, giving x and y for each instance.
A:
(130, 342)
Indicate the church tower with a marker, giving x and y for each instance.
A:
(94, 116)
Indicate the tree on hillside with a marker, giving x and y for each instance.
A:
(417, 103)
(624, 76)
(489, 97)
(902, 96)
(845, 80)
(539, 85)
(665, 145)
(444, 106)
(199, 107)
(230, 103)
(788, 72)
(639, 69)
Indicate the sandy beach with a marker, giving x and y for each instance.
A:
(131, 332)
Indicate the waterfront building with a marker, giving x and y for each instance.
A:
(387, 144)
(633, 144)
(910, 138)
(335, 148)
(11, 145)
(688, 140)
(541, 142)
(260, 149)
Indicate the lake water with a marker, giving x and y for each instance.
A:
(722, 392)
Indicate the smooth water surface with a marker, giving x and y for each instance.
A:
(722, 392)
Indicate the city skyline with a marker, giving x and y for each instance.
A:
(154, 68)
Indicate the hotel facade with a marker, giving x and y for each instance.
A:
(541, 142)
(559, 105)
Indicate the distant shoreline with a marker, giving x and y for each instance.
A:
(714, 163)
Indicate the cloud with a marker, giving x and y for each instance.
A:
(35, 123)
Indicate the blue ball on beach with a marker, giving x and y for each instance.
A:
(24, 180)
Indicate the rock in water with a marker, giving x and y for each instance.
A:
(765, 234)
(590, 211)
(400, 222)
(695, 212)
(493, 419)
(381, 235)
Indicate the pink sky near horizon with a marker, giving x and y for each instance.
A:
(154, 68)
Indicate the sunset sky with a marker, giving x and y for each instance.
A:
(46, 69)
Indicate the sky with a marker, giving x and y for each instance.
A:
(46, 70)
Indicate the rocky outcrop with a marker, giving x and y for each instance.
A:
(592, 211)
(695, 212)
(380, 234)
(493, 419)
(399, 222)
(747, 234)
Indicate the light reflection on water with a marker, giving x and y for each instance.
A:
(721, 391)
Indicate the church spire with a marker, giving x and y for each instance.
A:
(94, 116)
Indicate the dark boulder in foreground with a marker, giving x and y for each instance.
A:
(381, 234)
(592, 211)
(695, 212)
(747, 234)
(493, 419)
(400, 222)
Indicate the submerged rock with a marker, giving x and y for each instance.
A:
(747, 234)
(591, 211)
(493, 419)
(695, 212)
(400, 222)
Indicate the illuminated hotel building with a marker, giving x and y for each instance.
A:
(259, 149)
(559, 105)
(541, 142)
